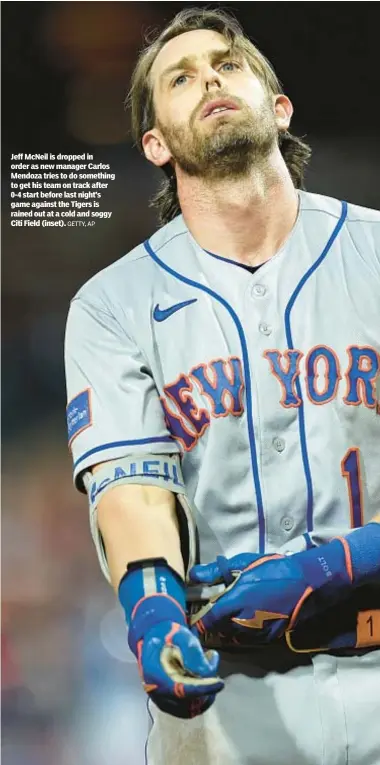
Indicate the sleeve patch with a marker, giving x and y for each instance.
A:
(79, 416)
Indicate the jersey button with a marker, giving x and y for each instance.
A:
(265, 328)
(287, 523)
(279, 444)
(258, 290)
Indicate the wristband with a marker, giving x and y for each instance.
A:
(151, 592)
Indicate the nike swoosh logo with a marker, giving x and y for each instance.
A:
(160, 314)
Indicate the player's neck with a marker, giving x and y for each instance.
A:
(245, 219)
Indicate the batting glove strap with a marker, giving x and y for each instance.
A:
(152, 612)
(151, 592)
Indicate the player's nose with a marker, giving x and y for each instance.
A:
(211, 79)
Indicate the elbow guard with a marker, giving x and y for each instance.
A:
(163, 471)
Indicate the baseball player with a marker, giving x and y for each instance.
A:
(224, 422)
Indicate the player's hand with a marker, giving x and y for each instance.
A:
(261, 594)
(178, 675)
(270, 594)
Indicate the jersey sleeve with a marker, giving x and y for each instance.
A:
(114, 407)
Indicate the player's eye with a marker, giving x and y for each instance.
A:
(180, 80)
(232, 64)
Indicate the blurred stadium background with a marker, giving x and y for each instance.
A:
(71, 692)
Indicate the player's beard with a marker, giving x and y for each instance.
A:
(231, 145)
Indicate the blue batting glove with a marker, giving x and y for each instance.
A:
(271, 594)
(177, 674)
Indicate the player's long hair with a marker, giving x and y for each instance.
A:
(295, 152)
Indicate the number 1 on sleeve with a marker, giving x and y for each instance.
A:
(350, 466)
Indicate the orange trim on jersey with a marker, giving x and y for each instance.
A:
(168, 412)
(316, 375)
(360, 383)
(285, 354)
(346, 474)
(185, 395)
(213, 382)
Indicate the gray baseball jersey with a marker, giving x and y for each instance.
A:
(265, 384)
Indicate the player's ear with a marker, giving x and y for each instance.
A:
(283, 110)
(155, 148)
